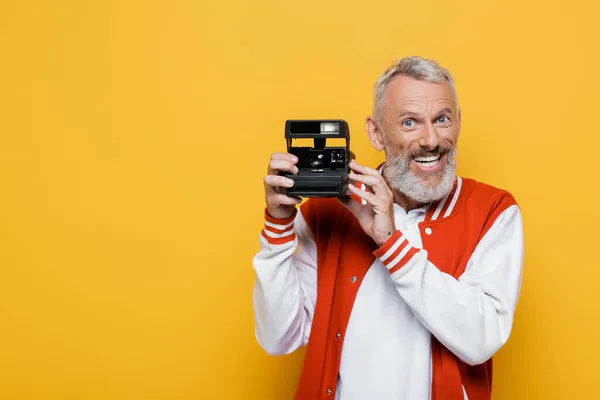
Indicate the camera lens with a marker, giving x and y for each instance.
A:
(318, 162)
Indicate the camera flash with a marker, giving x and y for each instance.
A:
(330, 127)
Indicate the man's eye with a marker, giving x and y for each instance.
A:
(409, 123)
(442, 120)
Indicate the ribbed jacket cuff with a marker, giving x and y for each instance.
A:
(395, 252)
(279, 230)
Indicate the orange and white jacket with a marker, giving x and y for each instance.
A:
(418, 318)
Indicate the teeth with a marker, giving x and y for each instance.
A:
(429, 164)
(427, 159)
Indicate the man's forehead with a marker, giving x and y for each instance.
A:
(403, 90)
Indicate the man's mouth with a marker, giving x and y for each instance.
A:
(429, 161)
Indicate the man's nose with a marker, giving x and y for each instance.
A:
(429, 137)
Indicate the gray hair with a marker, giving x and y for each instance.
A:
(418, 68)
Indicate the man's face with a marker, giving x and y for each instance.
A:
(419, 131)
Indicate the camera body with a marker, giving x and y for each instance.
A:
(322, 170)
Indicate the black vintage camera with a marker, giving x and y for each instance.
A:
(322, 170)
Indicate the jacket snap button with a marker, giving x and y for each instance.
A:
(353, 278)
(328, 391)
(337, 335)
(428, 231)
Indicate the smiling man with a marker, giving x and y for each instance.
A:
(406, 288)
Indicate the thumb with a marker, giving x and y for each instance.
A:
(352, 205)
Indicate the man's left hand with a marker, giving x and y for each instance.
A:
(377, 216)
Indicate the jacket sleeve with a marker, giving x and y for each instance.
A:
(284, 292)
(471, 316)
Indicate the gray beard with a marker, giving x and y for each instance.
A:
(399, 177)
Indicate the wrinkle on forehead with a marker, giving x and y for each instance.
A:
(424, 108)
(407, 94)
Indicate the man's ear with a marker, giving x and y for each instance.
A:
(375, 134)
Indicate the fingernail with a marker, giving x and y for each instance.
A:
(294, 159)
(296, 169)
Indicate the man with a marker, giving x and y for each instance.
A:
(408, 292)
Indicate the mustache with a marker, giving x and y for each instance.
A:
(421, 152)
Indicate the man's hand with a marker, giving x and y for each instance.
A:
(377, 216)
(279, 205)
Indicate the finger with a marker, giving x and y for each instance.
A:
(367, 196)
(281, 165)
(375, 184)
(278, 181)
(368, 180)
(361, 169)
(281, 199)
(284, 156)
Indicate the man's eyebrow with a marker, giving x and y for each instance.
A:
(408, 114)
(446, 110)
(405, 114)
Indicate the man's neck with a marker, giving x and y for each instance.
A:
(406, 203)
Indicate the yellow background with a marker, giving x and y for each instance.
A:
(134, 136)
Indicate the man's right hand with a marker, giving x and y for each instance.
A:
(279, 205)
